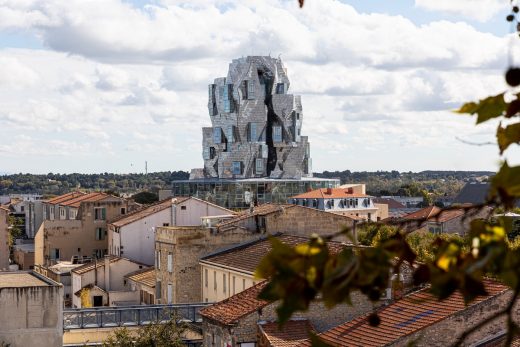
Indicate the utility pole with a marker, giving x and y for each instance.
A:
(146, 168)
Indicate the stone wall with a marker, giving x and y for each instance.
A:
(446, 331)
(320, 317)
(187, 245)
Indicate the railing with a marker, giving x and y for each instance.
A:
(105, 317)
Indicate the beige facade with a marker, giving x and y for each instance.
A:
(85, 236)
(178, 250)
(219, 283)
(23, 256)
(4, 239)
(105, 278)
(31, 310)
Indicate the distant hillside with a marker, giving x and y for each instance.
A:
(439, 183)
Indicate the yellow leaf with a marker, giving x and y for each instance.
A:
(306, 249)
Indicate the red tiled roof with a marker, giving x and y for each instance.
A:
(144, 212)
(65, 197)
(90, 197)
(329, 193)
(292, 333)
(435, 214)
(230, 310)
(246, 257)
(404, 317)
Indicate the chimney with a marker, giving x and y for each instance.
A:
(174, 213)
(107, 272)
(350, 190)
(329, 191)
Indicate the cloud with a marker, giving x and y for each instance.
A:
(481, 10)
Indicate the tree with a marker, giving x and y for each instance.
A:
(145, 198)
(159, 334)
(301, 274)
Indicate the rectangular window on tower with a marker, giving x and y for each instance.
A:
(277, 133)
(250, 89)
(230, 131)
(259, 166)
(253, 135)
(205, 153)
(280, 88)
(227, 106)
(217, 135)
(237, 168)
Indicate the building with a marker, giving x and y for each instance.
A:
(143, 281)
(292, 334)
(179, 249)
(31, 310)
(23, 255)
(75, 226)
(408, 201)
(254, 150)
(347, 201)
(240, 320)
(132, 235)
(420, 319)
(102, 283)
(228, 272)
(4, 238)
(472, 193)
(61, 273)
(437, 220)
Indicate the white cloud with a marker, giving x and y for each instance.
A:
(481, 10)
(127, 83)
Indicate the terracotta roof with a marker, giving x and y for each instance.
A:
(435, 214)
(247, 256)
(392, 204)
(329, 193)
(261, 210)
(99, 263)
(90, 197)
(404, 317)
(230, 310)
(64, 197)
(292, 333)
(144, 212)
(144, 276)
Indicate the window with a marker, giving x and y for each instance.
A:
(211, 152)
(62, 212)
(205, 153)
(214, 280)
(259, 167)
(72, 214)
(206, 278)
(158, 260)
(217, 135)
(230, 133)
(166, 224)
(253, 136)
(158, 289)
(100, 213)
(100, 234)
(123, 210)
(55, 253)
(234, 285)
(277, 133)
(224, 283)
(280, 88)
(227, 106)
(170, 293)
(237, 168)
(183, 208)
(250, 89)
(170, 262)
(265, 151)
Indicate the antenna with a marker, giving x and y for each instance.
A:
(146, 168)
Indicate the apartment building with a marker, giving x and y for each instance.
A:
(132, 235)
(179, 249)
(75, 226)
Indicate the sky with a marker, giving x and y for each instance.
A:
(105, 85)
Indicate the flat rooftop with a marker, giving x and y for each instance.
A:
(21, 280)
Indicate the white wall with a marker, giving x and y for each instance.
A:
(194, 209)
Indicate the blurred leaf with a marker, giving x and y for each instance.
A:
(505, 185)
(507, 136)
(316, 341)
(488, 108)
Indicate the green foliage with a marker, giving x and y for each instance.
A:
(157, 334)
(145, 197)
